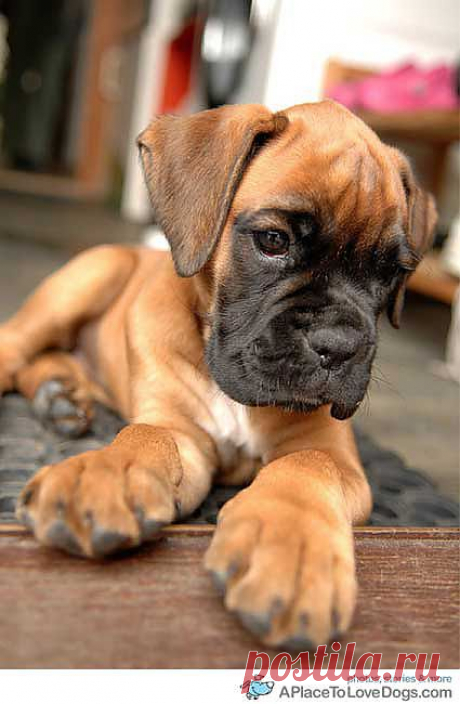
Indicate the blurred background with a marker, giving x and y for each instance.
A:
(79, 79)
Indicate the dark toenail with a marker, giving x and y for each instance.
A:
(178, 508)
(304, 620)
(335, 622)
(60, 535)
(259, 624)
(220, 581)
(106, 542)
(296, 644)
(150, 527)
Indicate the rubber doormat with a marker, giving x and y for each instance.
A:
(402, 495)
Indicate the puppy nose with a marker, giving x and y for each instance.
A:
(334, 345)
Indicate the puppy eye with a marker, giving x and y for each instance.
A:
(273, 243)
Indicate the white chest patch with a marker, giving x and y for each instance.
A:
(231, 430)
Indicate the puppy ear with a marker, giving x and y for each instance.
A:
(422, 218)
(395, 303)
(421, 223)
(193, 166)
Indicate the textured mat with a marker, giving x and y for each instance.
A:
(402, 496)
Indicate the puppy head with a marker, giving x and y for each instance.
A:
(309, 227)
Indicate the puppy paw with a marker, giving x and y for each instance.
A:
(97, 503)
(63, 407)
(287, 574)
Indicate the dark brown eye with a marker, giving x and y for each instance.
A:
(273, 243)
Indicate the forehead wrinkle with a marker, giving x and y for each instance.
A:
(386, 218)
(365, 203)
(289, 139)
(358, 168)
(291, 201)
(262, 216)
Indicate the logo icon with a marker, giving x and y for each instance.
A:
(256, 688)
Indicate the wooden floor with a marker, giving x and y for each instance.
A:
(157, 608)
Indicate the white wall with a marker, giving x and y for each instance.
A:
(163, 18)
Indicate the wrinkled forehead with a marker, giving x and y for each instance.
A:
(327, 161)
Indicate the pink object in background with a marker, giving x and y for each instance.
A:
(405, 89)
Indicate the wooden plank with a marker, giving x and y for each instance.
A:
(157, 608)
(177, 528)
(443, 533)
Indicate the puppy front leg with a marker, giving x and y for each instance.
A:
(283, 549)
(117, 497)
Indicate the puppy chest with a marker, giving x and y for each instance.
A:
(237, 443)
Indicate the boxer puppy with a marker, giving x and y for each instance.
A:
(251, 345)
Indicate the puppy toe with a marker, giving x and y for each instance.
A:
(324, 601)
(150, 528)
(258, 624)
(101, 507)
(106, 542)
(229, 554)
(263, 596)
(60, 536)
(151, 499)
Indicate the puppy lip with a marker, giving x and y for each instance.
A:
(343, 412)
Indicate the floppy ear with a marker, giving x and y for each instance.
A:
(193, 166)
(421, 222)
(396, 301)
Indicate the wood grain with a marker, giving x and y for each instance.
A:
(156, 608)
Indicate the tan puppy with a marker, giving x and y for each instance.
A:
(290, 233)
